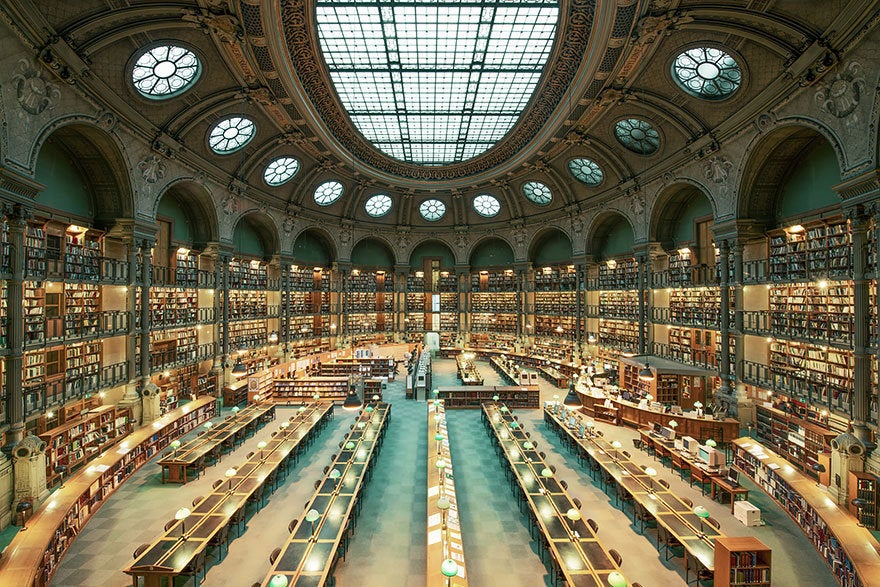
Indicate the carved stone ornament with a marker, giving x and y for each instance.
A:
(462, 241)
(345, 236)
(289, 224)
(230, 205)
(152, 168)
(35, 94)
(717, 169)
(519, 238)
(577, 227)
(225, 26)
(636, 204)
(841, 95)
(402, 240)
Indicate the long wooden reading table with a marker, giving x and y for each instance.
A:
(183, 545)
(579, 555)
(308, 557)
(444, 529)
(467, 371)
(222, 436)
(676, 517)
(33, 556)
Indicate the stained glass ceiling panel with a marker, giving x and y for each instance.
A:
(435, 83)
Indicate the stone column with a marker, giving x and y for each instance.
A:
(131, 398)
(743, 409)
(283, 307)
(401, 272)
(724, 366)
(17, 225)
(29, 462)
(462, 274)
(643, 260)
(861, 400)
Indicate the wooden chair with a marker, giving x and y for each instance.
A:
(663, 482)
(626, 454)
(668, 541)
(195, 567)
(577, 503)
(687, 502)
(217, 484)
(593, 524)
(292, 525)
(169, 524)
(249, 455)
(220, 538)
(197, 500)
(637, 443)
(140, 550)
(273, 556)
(714, 523)
(564, 484)
(615, 556)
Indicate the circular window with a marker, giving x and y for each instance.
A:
(378, 205)
(706, 72)
(280, 170)
(432, 210)
(637, 135)
(231, 134)
(328, 192)
(586, 171)
(538, 193)
(487, 206)
(165, 71)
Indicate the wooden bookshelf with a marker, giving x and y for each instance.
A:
(32, 557)
(83, 438)
(815, 311)
(82, 254)
(495, 281)
(303, 390)
(82, 309)
(865, 486)
(173, 306)
(35, 250)
(34, 311)
(527, 396)
(247, 274)
(82, 365)
(622, 305)
(246, 304)
(741, 560)
(671, 386)
(618, 334)
(804, 440)
(850, 550)
(820, 250)
(618, 274)
(825, 374)
(557, 278)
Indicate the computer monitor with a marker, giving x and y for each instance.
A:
(675, 410)
(667, 433)
(655, 427)
(733, 476)
(690, 444)
(711, 457)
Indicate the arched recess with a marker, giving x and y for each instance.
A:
(85, 175)
(550, 247)
(255, 236)
(491, 252)
(372, 253)
(429, 250)
(314, 247)
(789, 173)
(189, 207)
(682, 216)
(610, 236)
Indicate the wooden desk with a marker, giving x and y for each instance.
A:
(468, 372)
(33, 556)
(173, 552)
(444, 539)
(665, 506)
(720, 486)
(554, 376)
(722, 431)
(308, 557)
(850, 550)
(176, 466)
(581, 557)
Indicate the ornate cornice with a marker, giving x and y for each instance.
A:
(16, 186)
(866, 184)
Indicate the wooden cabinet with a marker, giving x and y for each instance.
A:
(741, 560)
(864, 486)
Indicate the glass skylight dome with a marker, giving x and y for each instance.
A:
(435, 83)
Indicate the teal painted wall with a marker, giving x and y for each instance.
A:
(553, 248)
(311, 250)
(246, 240)
(433, 250)
(170, 207)
(493, 253)
(618, 241)
(65, 186)
(698, 207)
(809, 186)
(371, 253)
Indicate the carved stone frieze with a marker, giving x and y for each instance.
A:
(841, 95)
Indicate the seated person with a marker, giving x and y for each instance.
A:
(627, 395)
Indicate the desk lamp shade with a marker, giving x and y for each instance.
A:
(369, 409)
(651, 471)
(352, 400)
(239, 369)
(449, 568)
(235, 409)
(182, 514)
(436, 392)
(572, 400)
(175, 444)
(349, 445)
(312, 516)
(361, 425)
(278, 581)
(438, 437)
(528, 445)
(701, 512)
(673, 424)
(284, 425)
(443, 504)
(441, 464)
(261, 445)
(711, 443)
(546, 472)
(503, 408)
(698, 404)
(615, 579)
(335, 474)
(316, 397)
(646, 374)
(818, 467)
(494, 398)
(376, 397)
(230, 472)
(208, 425)
(514, 424)
(573, 515)
(616, 444)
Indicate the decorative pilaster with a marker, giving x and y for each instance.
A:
(131, 398)
(146, 278)
(724, 367)
(17, 220)
(463, 277)
(861, 400)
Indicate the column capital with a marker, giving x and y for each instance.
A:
(740, 231)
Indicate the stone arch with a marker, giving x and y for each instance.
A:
(543, 236)
(264, 226)
(602, 225)
(669, 203)
(431, 241)
(767, 162)
(485, 241)
(319, 234)
(197, 202)
(99, 155)
(381, 241)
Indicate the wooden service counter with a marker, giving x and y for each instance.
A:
(628, 413)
